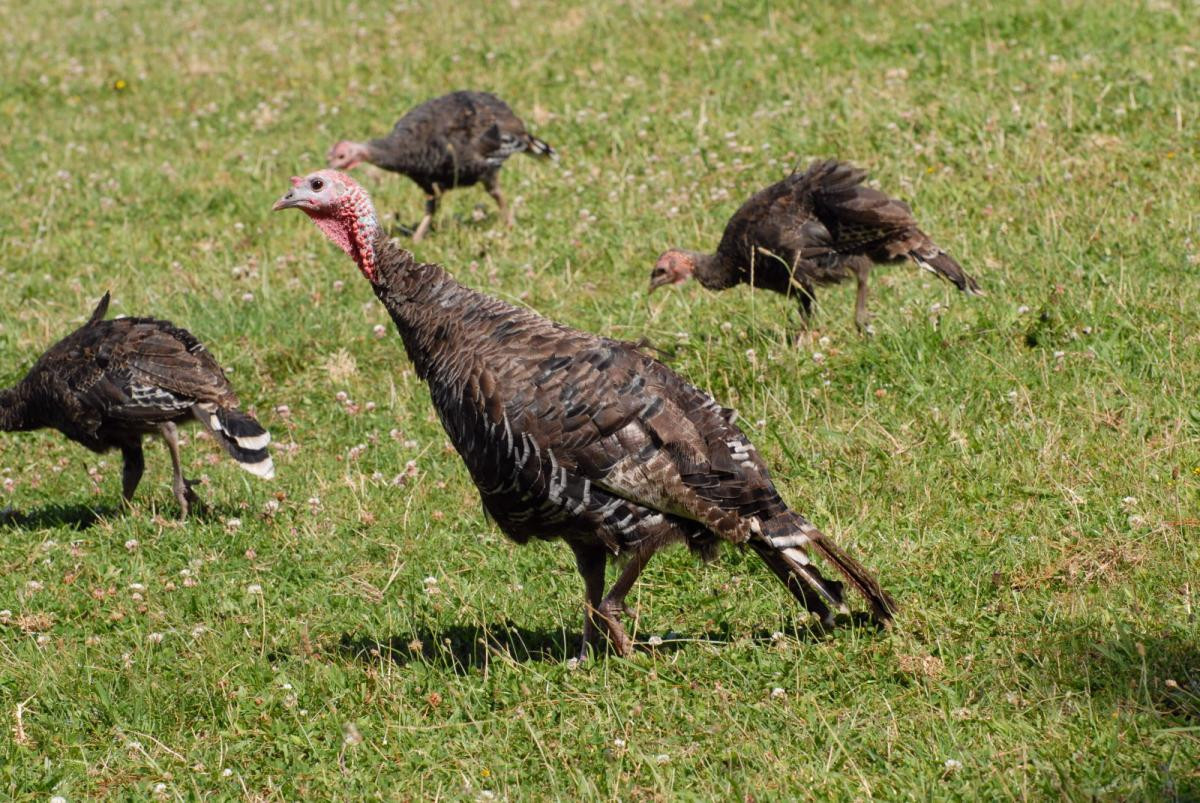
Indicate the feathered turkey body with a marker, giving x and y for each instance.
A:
(568, 435)
(818, 227)
(112, 381)
(452, 141)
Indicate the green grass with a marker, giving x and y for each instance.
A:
(978, 456)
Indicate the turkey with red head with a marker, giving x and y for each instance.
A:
(573, 436)
(456, 140)
(818, 227)
(110, 382)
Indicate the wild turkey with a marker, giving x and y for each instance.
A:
(573, 436)
(453, 141)
(821, 226)
(108, 383)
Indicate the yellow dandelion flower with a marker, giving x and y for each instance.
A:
(119, 85)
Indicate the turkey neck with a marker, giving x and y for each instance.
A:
(426, 304)
(14, 410)
(388, 152)
(712, 271)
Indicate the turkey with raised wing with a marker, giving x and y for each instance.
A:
(818, 227)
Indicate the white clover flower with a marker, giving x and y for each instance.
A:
(35, 585)
(818, 357)
(572, 664)
(655, 641)
(155, 638)
(131, 544)
(379, 330)
(254, 588)
(225, 773)
(662, 758)
(233, 524)
(778, 692)
(619, 743)
(952, 765)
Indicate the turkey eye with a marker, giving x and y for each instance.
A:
(316, 184)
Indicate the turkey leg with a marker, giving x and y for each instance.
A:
(431, 207)
(862, 317)
(182, 487)
(131, 471)
(613, 605)
(491, 183)
(591, 562)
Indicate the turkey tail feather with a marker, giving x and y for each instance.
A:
(938, 261)
(810, 589)
(881, 602)
(782, 546)
(539, 147)
(241, 436)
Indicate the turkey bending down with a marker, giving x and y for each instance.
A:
(456, 140)
(568, 435)
(108, 383)
(821, 226)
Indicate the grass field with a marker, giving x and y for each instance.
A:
(1022, 470)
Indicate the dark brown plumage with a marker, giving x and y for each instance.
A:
(818, 227)
(456, 140)
(573, 436)
(108, 383)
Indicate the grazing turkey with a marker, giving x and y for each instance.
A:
(573, 436)
(821, 226)
(453, 141)
(108, 383)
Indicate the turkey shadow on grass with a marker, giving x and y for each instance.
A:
(1157, 671)
(73, 516)
(77, 516)
(465, 648)
(401, 231)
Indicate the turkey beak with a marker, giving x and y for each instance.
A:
(658, 278)
(288, 201)
(292, 199)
